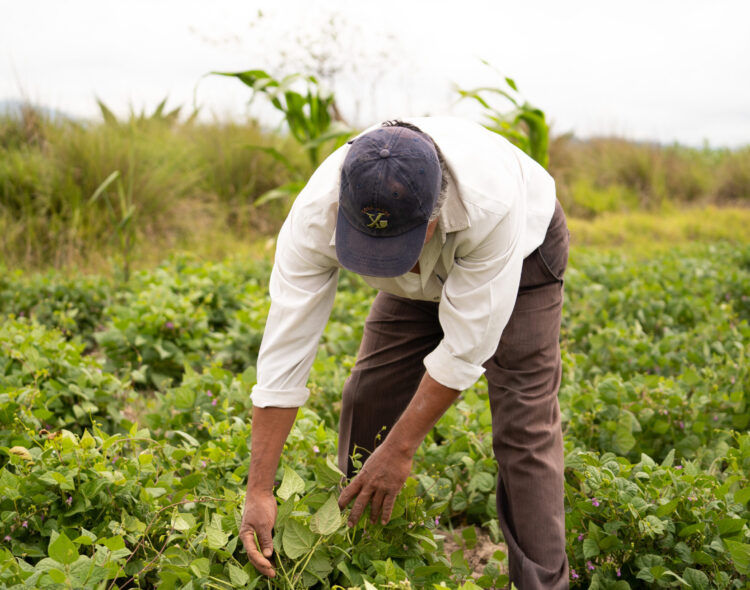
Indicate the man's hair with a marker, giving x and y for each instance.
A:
(441, 161)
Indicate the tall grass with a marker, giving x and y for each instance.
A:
(193, 186)
(183, 180)
(607, 175)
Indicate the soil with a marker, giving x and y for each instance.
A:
(479, 555)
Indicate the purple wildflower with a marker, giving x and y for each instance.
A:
(716, 418)
(316, 449)
(21, 314)
(573, 575)
(7, 538)
(213, 402)
(25, 524)
(203, 463)
(682, 424)
(678, 466)
(437, 520)
(580, 537)
(692, 498)
(208, 393)
(169, 326)
(618, 572)
(590, 566)
(595, 502)
(69, 501)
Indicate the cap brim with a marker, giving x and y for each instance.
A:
(378, 256)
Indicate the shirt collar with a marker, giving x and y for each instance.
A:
(452, 218)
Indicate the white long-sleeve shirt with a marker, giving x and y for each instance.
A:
(497, 211)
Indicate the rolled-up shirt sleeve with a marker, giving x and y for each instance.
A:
(477, 300)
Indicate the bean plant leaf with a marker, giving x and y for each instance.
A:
(216, 537)
(740, 553)
(327, 520)
(695, 578)
(238, 576)
(590, 548)
(730, 526)
(742, 496)
(63, 550)
(482, 481)
(200, 567)
(291, 483)
(328, 474)
(57, 576)
(297, 539)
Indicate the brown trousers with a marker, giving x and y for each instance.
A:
(523, 379)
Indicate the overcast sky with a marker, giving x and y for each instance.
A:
(663, 70)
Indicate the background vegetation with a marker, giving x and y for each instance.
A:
(193, 186)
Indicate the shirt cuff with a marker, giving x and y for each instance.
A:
(451, 371)
(279, 398)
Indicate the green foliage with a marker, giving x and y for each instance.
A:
(123, 221)
(658, 523)
(48, 384)
(182, 179)
(310, 116)
(524, 124)
(192, 185)
(74, 306)
(159, 115)
(612, 174)
(101, 485)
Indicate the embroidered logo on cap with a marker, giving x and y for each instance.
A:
(376, 217)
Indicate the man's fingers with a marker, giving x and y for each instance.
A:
(376, 505)
(256, 557)
(388, 502)
(349, 492)
(266, 542)
(359, 506)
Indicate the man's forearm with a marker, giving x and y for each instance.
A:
(271, 427)
(426, 407)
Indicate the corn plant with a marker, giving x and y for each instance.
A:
(311, 116)
(524, 125)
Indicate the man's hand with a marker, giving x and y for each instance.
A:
(385, 471)
(378, 482)
(258, 519)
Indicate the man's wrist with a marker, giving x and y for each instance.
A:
(401, 444)
(260, 489)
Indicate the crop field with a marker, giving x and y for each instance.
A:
(125, 430)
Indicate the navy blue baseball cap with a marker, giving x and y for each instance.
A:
(390, 183)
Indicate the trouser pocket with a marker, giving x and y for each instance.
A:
(553, 253)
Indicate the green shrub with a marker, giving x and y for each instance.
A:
(658, 524)
(48, 384)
